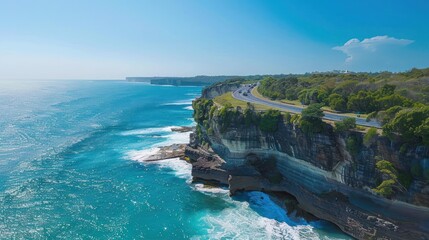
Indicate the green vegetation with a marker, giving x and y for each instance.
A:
(345, 125)
(397, 100)
(411, 123)
(353, 145)
(327, 88)
(337, 102)
(386, 167)
(391, 180)
(227, 114)
(369, 136)
(201, 109)
(311, 119)
(270, 120)
(334, 91)
(385, 188)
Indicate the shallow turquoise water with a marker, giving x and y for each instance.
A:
(70, 169)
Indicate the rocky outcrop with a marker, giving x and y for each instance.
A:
(328, 178)
(207, 165)
(167, 152)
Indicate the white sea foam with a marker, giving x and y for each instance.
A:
(174, 138)
(170, 137)
(257, 218)
(210, 190)
(142, 155)
(181, 102)
(189, 108)
(145, 131)
(193, 94)
(179, 167)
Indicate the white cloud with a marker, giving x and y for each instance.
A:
(355, 47)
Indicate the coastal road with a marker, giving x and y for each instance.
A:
(241, 93)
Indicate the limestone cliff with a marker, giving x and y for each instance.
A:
(221, 88)
(329, 178)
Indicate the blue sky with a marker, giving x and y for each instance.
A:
(113, 39)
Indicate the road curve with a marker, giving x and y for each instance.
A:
(240, 94)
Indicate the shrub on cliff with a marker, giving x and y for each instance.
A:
(389, 179)
(226, 116)
(370, 136)
(202, 108)
(287, 117)
(269, 120)
(353, 145)
(386, 167)
(250, 116)
(345, 125)
(385, 189)
(311, 119)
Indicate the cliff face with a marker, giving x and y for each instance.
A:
(328, 179)
(219, 89)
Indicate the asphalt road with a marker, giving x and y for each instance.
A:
(294, 109)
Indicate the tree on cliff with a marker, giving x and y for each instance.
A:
(270, 120)
(250, 116)
(345, 125)
(201, 108)
(389, 179)
(311, 119)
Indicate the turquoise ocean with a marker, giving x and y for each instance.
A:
(70, 168)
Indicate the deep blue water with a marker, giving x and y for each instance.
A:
(70, 169)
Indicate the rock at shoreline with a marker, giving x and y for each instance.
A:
(168, 152)
(183, 129)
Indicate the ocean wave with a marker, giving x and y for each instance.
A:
(179, 168)
(141, 155)
(170, 137)
(257, 217)
(174, 138)
(189, 108)
(210, 190)
(144, 131)
(193, 94)
(180, 102)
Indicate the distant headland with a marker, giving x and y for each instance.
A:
(181, 81)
